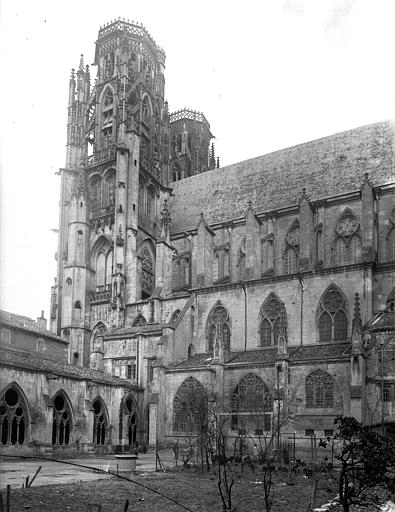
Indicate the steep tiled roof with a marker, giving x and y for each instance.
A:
(27, 324)
(322, 352)
(326, 167)
(38, 362)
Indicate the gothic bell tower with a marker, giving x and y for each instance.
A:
(112, 187)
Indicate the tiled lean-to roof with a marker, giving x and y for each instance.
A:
(296, 355)
(326, 167)
(38, 362)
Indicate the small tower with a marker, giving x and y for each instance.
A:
(190, 138)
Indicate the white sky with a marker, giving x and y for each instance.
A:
(267, 74)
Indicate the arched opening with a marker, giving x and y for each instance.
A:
(131, 420)
(252, 405)
(332, 316)
(13, 416)
(139, 321)
(109, 188)
(347, 245)
(218, 329)
(272, 321)
(95, 192)
(191, 350)
(190, 407)
(107, 117)
(100, 422)
(147, 274)
(61, 421)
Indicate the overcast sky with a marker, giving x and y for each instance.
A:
(267, 75)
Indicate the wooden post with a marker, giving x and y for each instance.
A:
(27, 481)
(8, 498)
(126, 506)
(29, 484)
(1, 502)
(314, 493)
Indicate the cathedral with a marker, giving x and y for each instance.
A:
(259, 284)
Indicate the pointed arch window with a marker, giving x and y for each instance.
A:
(291, 252)
(190, 407)
(347, 245)
(273, 321)
(241, 259)
(13, 417)
(132, 420)
(107, 117)
(61, 421)
(109, 189)
(319, 390)
(99, 423)
(95, 192)
(139, 321)
(174, 317)
(332, 316)
(103, 265)
(176, 174)
(146, 111)
(147, 274)
(218, 328)
(97, 337)
(252, 405)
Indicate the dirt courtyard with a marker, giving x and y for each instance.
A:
(194, 490)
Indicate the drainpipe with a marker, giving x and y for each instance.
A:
(245, 315)
(301, 282)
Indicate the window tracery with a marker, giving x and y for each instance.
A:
(147, 274)
(95, 192)
(107, 117)
(252, 404)
(273, 321)
(139, 321)
(61, 422)
(99, 422)
(218, 329)
(132, 420)
(109, 189)
(332, 315)
(13, 417)
(176, 175)
(347, 246)
(319, 390)
(190, 407)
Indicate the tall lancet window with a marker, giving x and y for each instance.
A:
(107, 117)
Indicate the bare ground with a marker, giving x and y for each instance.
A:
(194, 490)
